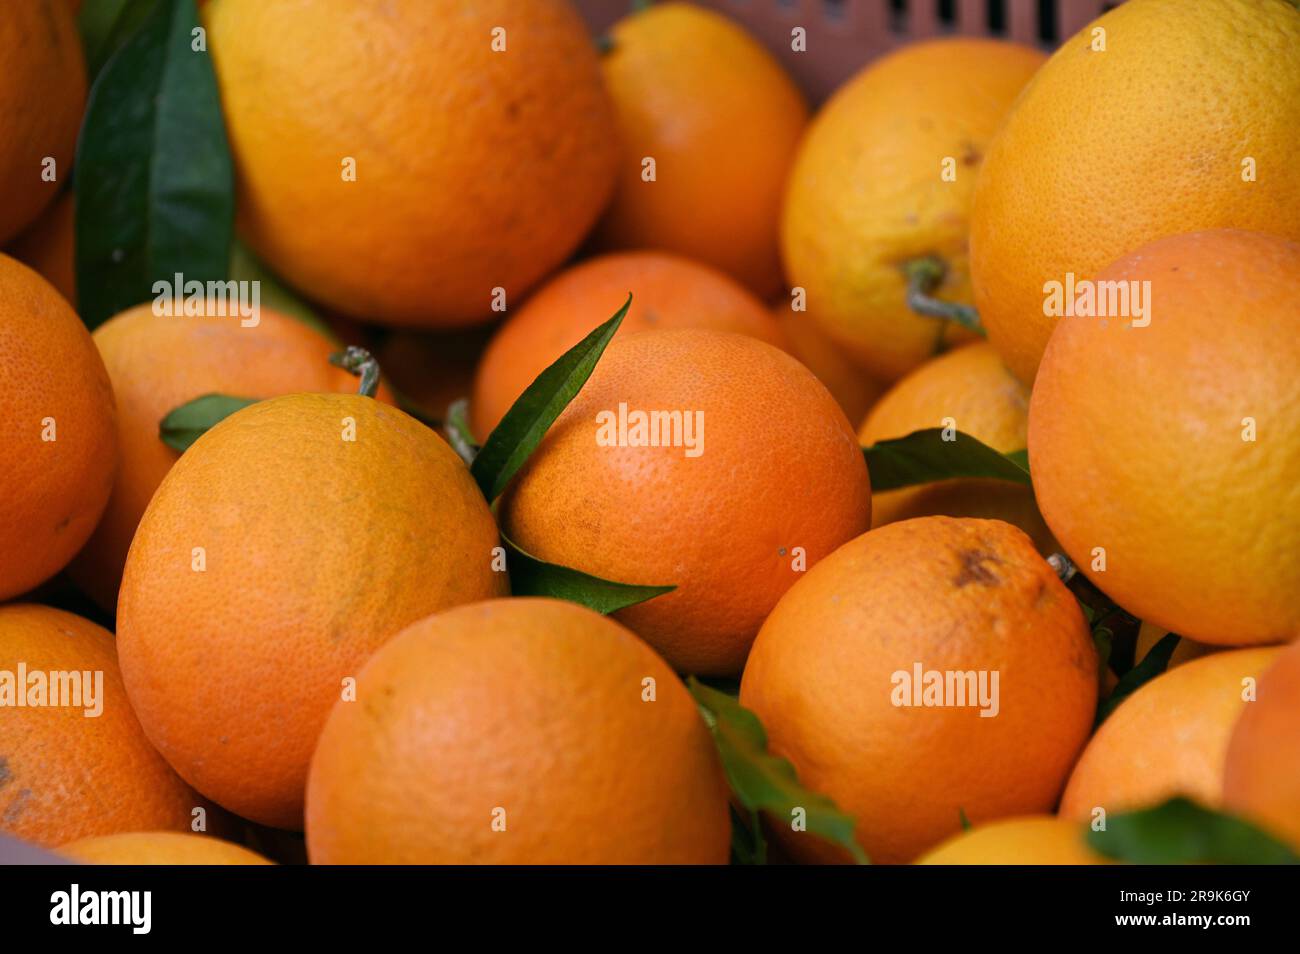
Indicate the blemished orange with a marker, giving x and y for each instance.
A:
(48, 247)
(1031, 840)
(521, 731)
(885, 176)
(854, 389)
(971, 390)
(1168, 738)
(668, 291)
(1173, 449)
(481, 136)
(286, 545)
(758, 476)
(42, 95)
(833, 676)
(1261, 776)
(58, 435)
(159, 362)
(721, 120)
(1183, 123)
(65, 774)
(159, 848)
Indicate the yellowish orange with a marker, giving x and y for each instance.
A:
(159, 848)
(1031, 840)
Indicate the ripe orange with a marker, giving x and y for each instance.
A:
(483, 140)
(1185, 122)
(885, 176)
(517, 731)
(159, 362)
(48, 247)
(56, 416)
(65, 774)
(1030, 840)
(431, 370)
(326, 522)
(721, 120)
(854, 389)
(667, 292)
(159, 848)
(1168, 738)
(1173, 450)
(968, 389)
(829, 672)
(768, 480)
(42, 95)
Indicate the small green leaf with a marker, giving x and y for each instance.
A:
(530, 576)
(1181, 832)
(1153, 664)
(186, 424)
(525, 424)
(459, 434)
(924, 456)
(105, 25)
(765, 782)
(247, 267)
(1020, 458)
(961, 817)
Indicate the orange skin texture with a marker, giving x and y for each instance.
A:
(1106, 152)
(475, 169)
(1136, 439)
(1032, 840)
(854, 389)
(532, 706)
(950, 594)
(722, 526)
(64, 776)
(156, 364)
(317, 551)
(1261, 777)
(48, 247)
(1168, 738)
(159, 848)
(722, 120)
(972, 387)
(668, 291)
(42, 96)
(867, 193)
(51, 491)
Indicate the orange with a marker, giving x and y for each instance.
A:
(42, 95)
(520, 731)
(159, 848)
(47, 246)
(854, 389)
(667, 292)
(1185, 651)
(431, 370)
(159, 362)
(759, 477)
(971, 391)
(57, 430)
(720, 119)
(1172, 450)
(1185, 122)
(843, 676)
(482, 139)
(1168, 738)
(1261, 776)
(75, 770)
(885, 176)
(287, 544)
(1030, 840)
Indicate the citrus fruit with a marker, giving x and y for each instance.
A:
(1168, 738)
(287, 544)
(401, 159)
(47, 247)
(874, 673)
(57, 427)
(1184, 122)
(42, 94)
(158, 363)
(1166, 456)
(884, 177)
(1030, 840)
(1261, 776)
(432, 369)
(517, 731)
(667, 292)
(971, 391)
(759, 478)
(854, 389)
(159, 848)
(81, 767)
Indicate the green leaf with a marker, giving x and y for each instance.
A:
(961, 817)
(186, 424)
(924, 456)
(525, 424)
(247, 267)
(1181, 832)
(1020, 458)
(1153, 664)
(155, 184)
(105, 25)
(765, 782)
(530, 576)
(459, 434)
